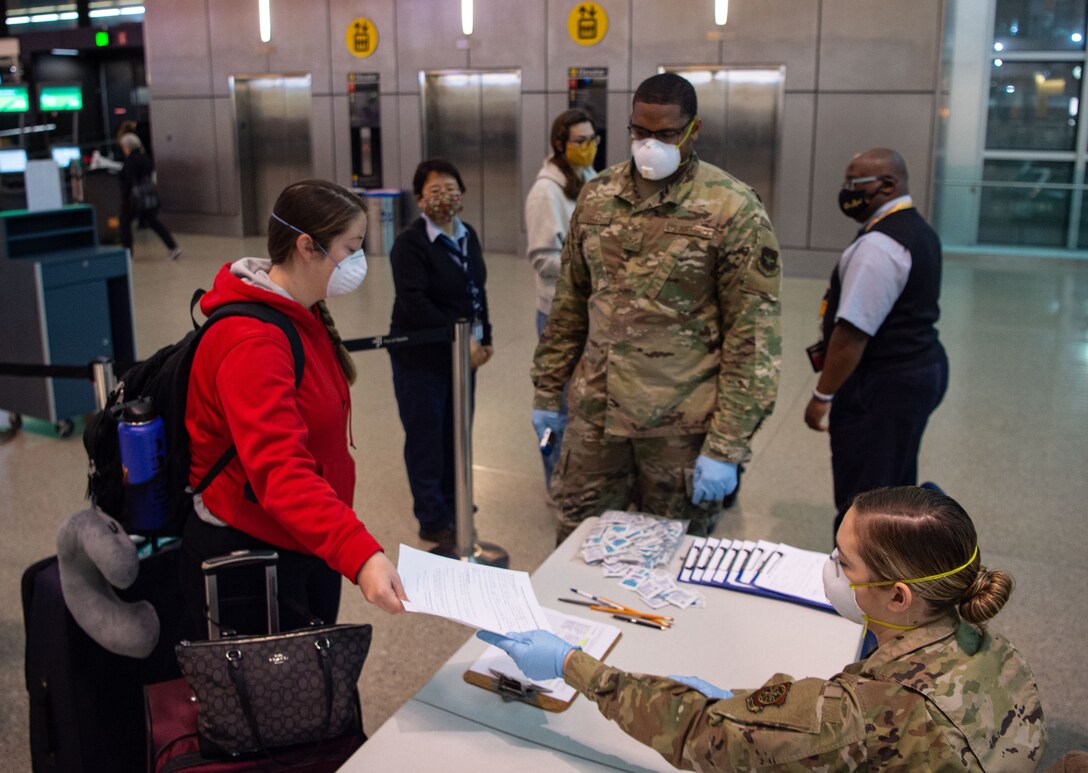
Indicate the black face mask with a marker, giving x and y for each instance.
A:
(852, 203)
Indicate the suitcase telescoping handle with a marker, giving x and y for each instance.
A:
(236, 560)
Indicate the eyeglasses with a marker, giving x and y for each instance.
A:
(852, 183)
(582, 141)
(668, 136)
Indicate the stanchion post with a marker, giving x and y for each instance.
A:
(104, 380)
(468, 549)
(462, 436)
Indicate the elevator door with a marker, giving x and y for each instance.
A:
(471, 118)
(741, 109)
(272, 124)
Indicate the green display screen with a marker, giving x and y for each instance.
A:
(14, 99)
(60, 98)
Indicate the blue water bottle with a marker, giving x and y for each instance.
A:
(143, 456)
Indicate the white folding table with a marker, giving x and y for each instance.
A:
(737, 641)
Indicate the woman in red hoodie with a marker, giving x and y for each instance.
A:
(292, 483)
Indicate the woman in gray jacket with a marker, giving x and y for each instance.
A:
(548, 210)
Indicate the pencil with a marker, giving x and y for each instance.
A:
(579, 602)
(620, 607)
(637, 621)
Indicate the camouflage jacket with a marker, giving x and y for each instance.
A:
(940, 697)
(669, 309)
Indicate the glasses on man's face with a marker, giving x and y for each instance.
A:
(668, 136)
(582, 141)
(434, 190)
(852, 183)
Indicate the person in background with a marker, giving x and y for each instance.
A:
(884, 370)
(136, 176)
(548, 209)
(290, 487)
(666, 323)
(939, 692)
(440, 277)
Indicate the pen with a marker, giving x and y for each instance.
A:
(580, 602)
(598, 599)
(637, 621)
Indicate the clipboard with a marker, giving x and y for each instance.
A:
(495, 671)
(745, 566)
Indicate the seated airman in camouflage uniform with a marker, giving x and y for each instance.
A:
(939, 692)
(665, 321)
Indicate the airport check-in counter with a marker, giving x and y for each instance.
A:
(64, 300)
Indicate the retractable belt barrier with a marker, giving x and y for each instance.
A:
(101, 373)
(47, 371)
(439, 335)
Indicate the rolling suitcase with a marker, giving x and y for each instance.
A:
(171, 709)
(86, 703)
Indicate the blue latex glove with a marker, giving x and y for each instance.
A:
(706, 688)
(538, 654)
(543, 420)
(713, 480)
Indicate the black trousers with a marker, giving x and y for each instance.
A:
(308, 588)
(425, 403)
(149, 216)
(876, 426)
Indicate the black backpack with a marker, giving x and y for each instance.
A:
(164, 377)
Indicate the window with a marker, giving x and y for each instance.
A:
(1031, 209)
(1039, 25)
(1033, 105)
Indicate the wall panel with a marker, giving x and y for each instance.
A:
(302, 40)
(427, 39)
(880, 46)
(613, 51)
(177, 65)
(322, 126)
(773, 32)
(794, 189)
(184, 134)
(849, 123)
(236, 46)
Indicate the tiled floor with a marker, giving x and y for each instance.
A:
(1010, 442)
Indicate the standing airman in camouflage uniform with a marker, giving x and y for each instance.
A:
(666, 323)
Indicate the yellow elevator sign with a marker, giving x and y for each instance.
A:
(361, 37)
(587, 24)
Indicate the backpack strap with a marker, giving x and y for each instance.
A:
(264, 313)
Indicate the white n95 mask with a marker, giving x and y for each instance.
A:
(654, 159)
(839, 591)
(347, 275)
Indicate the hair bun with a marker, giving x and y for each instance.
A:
(987, 595)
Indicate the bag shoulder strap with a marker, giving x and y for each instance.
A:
(264, 313)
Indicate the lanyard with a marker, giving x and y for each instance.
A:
(897, 208)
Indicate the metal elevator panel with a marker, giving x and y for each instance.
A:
(272, 126)
(741, 110)
(471, 118)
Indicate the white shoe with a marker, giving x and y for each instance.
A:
(175, 253)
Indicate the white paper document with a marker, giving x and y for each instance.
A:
(592, 636)
(485, 597)
(796, 573)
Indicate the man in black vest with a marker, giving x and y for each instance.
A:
(883, 369)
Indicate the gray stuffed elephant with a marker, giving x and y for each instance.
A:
(95, 555)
